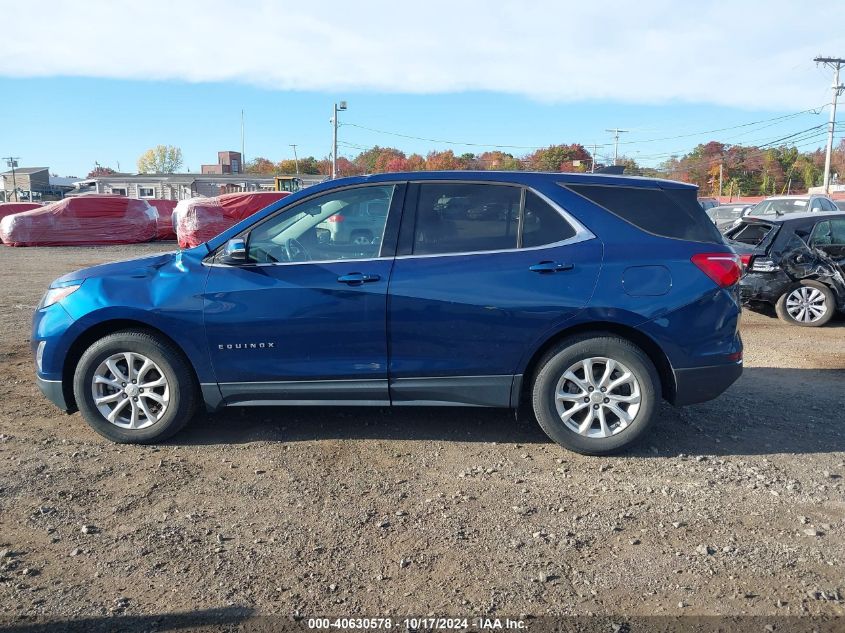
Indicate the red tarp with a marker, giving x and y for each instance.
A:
(83, 220)
(8, 208)
(200, 219)
(164, 226)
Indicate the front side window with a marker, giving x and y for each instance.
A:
(344, 224)
(466, 218)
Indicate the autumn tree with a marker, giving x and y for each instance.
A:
(437, 161)
(499, 161)
(559, 158)
(99, 170)
(260, 165)
(161, 159)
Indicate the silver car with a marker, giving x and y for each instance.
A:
(360, 223)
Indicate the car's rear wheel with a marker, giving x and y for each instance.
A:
(132, 387)
(595, 395)
(811, 304)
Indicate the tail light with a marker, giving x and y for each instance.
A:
(335, 218)
(723, 268)
(745, 259)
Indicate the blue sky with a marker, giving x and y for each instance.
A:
(87, 89)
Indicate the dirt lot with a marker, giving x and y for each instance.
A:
(730, 507)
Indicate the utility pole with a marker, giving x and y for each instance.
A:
(616, 133)
(337, 108)
(243, 153)
(295, 159)
(720, 180)
(593, 162)
(836, 64)
(12, 161)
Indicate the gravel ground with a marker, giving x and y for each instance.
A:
(733, 507)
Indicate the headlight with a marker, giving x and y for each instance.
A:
(54, 295)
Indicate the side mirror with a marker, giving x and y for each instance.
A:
(235, 251)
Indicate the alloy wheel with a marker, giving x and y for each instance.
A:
(598, 397)
(130, 390)
(806, 304)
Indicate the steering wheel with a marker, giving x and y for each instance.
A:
(295, 251)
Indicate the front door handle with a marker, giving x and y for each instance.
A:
(550, 267)
(356, 279)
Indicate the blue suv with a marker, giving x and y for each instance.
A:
(584, 297)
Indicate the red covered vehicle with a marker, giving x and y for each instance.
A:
(8, 208)
(83, 220)
(164, 226)
(199, 219)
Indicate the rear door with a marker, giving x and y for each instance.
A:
(483, 271)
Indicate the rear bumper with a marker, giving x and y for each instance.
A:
(52, 390)
(700, 384)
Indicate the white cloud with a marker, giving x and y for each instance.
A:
(740, 53)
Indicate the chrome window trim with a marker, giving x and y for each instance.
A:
(582, 233)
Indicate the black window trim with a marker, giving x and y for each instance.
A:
(655, 187)
(582, 233)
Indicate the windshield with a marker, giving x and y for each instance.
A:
(724, 213)
(779, 207)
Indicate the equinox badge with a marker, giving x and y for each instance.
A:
(246, 346)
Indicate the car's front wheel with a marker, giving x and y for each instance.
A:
(132, 387)
(811, 304)
(595, 395)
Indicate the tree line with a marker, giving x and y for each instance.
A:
(745, 169)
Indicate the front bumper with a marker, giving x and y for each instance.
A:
(700, 384)
(53, 391)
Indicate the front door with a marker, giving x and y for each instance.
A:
(304, 320)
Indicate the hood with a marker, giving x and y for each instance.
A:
(138, 267)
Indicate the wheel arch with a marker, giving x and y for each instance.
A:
(598, 328)
(97, 331)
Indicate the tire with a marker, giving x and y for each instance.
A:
(557, 417)
(163, 408)
(813, 294)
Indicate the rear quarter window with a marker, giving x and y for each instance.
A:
(673, 213)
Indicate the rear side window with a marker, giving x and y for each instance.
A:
(542, 224)
(466, 218)
(752, 234)
(671, 213)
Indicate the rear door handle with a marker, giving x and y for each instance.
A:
(550, 267)
(356, 279)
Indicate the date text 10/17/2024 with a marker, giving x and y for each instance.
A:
(416, 624)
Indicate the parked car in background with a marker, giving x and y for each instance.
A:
(199, 219)
(781, 205)
(8, 208)
(82, 220)
(360, 223)
(617, 293)
(726, 215)
(795, 262)
(708, 203)
(164, 223)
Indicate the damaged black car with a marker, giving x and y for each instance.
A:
(795, 262)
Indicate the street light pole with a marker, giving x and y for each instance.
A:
(835, 63)
(337, 108)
